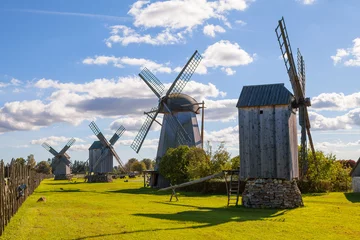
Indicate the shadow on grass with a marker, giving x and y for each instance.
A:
(353, 197)
(65, 183)
(314, 194)
(152, 191)
(206, 216)
(61, 190)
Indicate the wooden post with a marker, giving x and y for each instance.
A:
(202, 125)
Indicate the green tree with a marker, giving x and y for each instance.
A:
(174, 163)
(148, 163)
(235, 163)
(129, 163)
(138, 167)
(199, 163)
(221, 159)
(20, 161)
(43, 167)
(31, 161)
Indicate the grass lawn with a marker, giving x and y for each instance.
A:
(125, 210)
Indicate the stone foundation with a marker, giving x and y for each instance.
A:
(271, 193)
(63, 177)
(98, 178)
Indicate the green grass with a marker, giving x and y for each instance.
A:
(125, 210)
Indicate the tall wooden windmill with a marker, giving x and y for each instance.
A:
(101, 154)
(179, 126)
(60, 163)
(297, 79)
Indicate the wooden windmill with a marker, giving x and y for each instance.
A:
(60, 163)
(101, 152)
(297, 79)
(179, 126)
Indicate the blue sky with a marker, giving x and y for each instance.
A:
(64, 64)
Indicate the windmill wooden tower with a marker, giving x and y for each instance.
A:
(61, 160)
(268, 135)
(101, 155)
(179, 126)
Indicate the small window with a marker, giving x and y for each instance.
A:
(261, 111)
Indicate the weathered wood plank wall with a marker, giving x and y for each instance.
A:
(268, 142)
(11, 177)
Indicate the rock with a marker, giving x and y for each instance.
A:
(42, 199)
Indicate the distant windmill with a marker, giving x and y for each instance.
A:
(101, 152)
(60, 162)
(297, 79)
(179, 126)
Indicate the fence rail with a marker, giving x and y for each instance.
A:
(17, 182)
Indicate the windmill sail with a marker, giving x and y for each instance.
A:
(185, 74)
(117, 135)
(49, 149)
(67, 146)
(154, 84)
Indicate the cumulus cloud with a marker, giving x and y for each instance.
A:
(350, 56)
(102, 98)
(229, 135)
(346, 121)
(12, 82)
(336, 146)
(335, 101)
(240, 22)
(121, 61)
(54, 140)
(224, 54)
(307, 2)
(211, 30)
(223, 110)
(175, 19)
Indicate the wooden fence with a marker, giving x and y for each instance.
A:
(17, 182)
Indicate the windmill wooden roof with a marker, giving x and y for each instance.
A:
(96, 145)
(264, 95)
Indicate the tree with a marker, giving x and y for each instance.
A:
(235, 163)
(43, 167)
(129, 163)
(174, 163)
(20, 161)
(138, 167)
(221, 159)
(31, 161)
(79, 166)
(148, 163)
(199, 163)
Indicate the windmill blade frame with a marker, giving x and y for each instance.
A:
(119, 132)
(140, 137)
(67, 146)
(185, 74)
(99, 134)
(285, 47)
(183, 137)
(153, 82)
(103, 154)
(49, 149)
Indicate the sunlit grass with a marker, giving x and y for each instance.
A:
(125, 210)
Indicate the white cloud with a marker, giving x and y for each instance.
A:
(175, 19)
(346, 121)
(224, 54)
(221, 110)
(79, 147)
(229, 135)
(12, 82)
(120, 61)
(211, 30)
(335, 101)
(240, 22)
(307, 2)
(102, 98)
(54, 140)
(228, 71)
(125, 36)
(336, 146)
(351, 56)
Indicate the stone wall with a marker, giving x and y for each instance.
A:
(98, 178)
(356, 184)
(271, 193)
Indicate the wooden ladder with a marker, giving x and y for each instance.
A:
(233, 188)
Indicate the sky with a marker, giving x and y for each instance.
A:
(66, 63)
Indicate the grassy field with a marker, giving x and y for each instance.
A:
(125, 210)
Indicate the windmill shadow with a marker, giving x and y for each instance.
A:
(206, 216)
(353, 197)
(62, 191)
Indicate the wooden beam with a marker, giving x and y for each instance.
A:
(220, 174)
